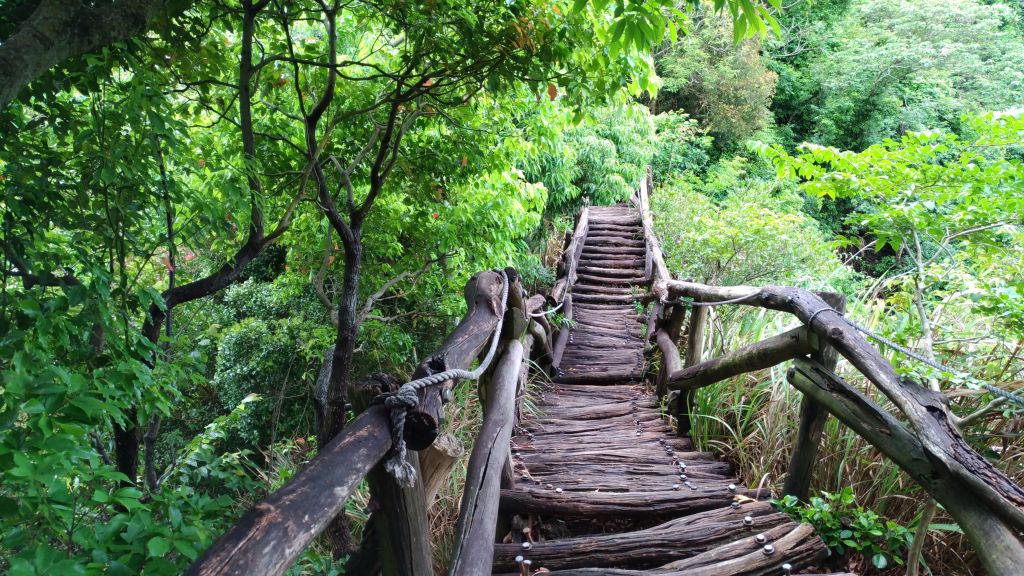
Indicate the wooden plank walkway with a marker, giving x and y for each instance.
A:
(602, 483)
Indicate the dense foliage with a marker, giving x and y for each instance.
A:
(194, 218)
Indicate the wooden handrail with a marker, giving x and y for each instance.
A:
(989, 490)
(997, 543)
(478, 513)
(273, 533)
(562, 291)
(751, 358)
(659, 271)
(988, 504)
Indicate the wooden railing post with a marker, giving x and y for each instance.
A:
(812, 418)
(694, 355)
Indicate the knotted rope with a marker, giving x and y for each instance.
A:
(407, 398)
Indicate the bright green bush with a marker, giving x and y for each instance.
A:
(849, 529)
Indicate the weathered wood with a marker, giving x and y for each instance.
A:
(474, 543)
(695, 333)
(273, 533)
(397, 530)
(617, 504)
(437, 462)
(670, 361)
(927, 412)
(402, 531)
(996, 541)
(562, 338)
(812, 420)
(659, 271)
(673, 540)
(459, 350)
(751, 358)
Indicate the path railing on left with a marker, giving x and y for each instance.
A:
(273, 533)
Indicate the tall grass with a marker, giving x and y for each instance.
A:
(752, 419)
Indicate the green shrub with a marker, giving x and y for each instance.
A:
(850, 529)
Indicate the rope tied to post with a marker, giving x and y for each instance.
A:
(407, 398)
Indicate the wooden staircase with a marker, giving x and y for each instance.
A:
(603, 485)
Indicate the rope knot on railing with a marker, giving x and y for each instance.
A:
(407, 398)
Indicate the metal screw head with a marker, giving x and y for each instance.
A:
(682, 466)
(525, 476)
(735, 505)
(550, 487)
(675, 486)
(558, 490)
(527, 562)
(732, 487)
(446, 395)
(787, 568)
(527, 545)
(760, 538)
(748, 521)
(519, 559)
(768, 549)
(637, 432)
(682, 476)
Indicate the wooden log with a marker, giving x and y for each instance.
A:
(648, 548)
(397, 531)
(478, 514)
(437, 462)
(273, 533)
(795, 544)
(617, 504)
(695, 334)
(751, 358)
(995, 538)
(670, 361)
(659, 271)
(926, 411)
(459, 350)
(812, 420)
(562, 338)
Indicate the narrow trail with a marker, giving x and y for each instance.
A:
(602, 483)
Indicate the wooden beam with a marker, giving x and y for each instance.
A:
(751, 358)
(812, 420)
(459, 350)
(995, 538)
(695, 332)
(670, 361)
(927, 412)
(273, 533)
(478, 514)
(659, 273)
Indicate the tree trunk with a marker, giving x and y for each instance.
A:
(334, 410)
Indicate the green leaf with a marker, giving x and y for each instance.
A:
(157, 547)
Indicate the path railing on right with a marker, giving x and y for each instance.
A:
(921, 438)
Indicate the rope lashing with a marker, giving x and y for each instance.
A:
(407, 398)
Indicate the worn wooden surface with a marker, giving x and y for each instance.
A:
(478, 512)
(273, 533)
(459, 350)
(601, 482)
(812, 419)
(927, 412)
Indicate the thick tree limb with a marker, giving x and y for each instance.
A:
(61, 29)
